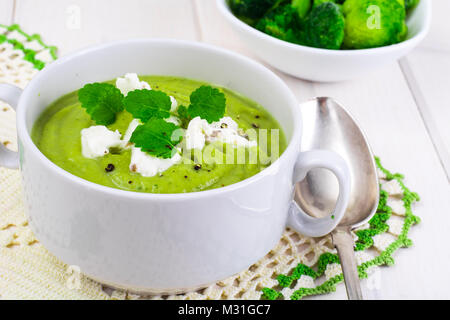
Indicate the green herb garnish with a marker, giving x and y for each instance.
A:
(207, 103)
(145, 104)
(102, 102)
(157, 137)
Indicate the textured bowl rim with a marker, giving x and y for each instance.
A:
(411, 42)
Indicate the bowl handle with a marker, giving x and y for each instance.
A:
(298, 219)
(10, 94)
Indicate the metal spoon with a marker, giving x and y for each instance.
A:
(327, 125)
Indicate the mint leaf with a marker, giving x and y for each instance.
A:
(157, 137)
(207, 103)
(145, 104)
(102, 102)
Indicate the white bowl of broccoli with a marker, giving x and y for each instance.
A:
(328, 40)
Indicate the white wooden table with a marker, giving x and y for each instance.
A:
(404, 107)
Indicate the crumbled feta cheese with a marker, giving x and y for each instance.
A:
(149, 166)
(226, 130)
(199, 132)
(231, 137)
(131, 82)
(196, 133)
(173, 120)
(174, 105)
(97, 140)
(225, 122)
(44, 56)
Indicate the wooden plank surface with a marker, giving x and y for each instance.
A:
(439, 35)
(427, 70)
(428, 74)
(6, 11)
(75, 24)
(382, 103)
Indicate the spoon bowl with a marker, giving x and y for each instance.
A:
(327, 125)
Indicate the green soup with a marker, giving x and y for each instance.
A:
(57, 133)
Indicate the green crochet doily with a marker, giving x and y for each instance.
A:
(377, 225)
(29, 54)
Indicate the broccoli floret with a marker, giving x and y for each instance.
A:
(373, 23)
(317, 2)
(324, 27)
(302, 6)
(252, 10)
(282, 23)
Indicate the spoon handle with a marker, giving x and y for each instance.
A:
(344, 244)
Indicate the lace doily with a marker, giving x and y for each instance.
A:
(298, 266)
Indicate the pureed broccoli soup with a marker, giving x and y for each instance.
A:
(158, 134)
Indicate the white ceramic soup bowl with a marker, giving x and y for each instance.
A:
(328, 65)
(164, 242)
